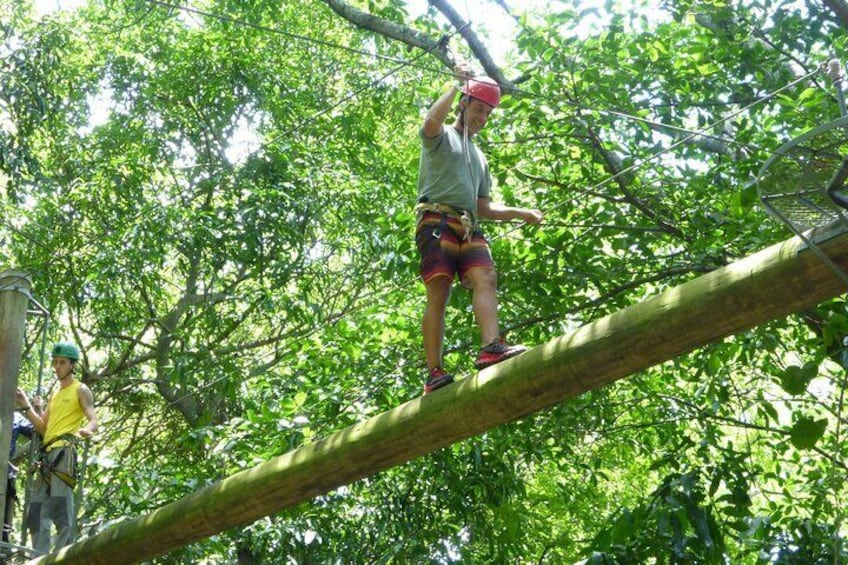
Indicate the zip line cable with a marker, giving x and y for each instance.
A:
(296, 36)
(411, 63)
(347, 98)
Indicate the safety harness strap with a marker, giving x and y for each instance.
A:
(448, 211)
(48, 467)
(70, 438)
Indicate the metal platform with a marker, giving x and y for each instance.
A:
(796, 183)
(803, 184)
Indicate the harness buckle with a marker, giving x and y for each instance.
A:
(467, 223)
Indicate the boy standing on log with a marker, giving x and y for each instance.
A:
(454, 193)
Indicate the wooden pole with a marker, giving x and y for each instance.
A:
(15, 289)
(777, 281)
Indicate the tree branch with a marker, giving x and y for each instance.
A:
(568, 187)
(414, 38)
(393, 30)
(474, 43)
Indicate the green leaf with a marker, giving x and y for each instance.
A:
(808, 93)
(807, 432)
(769, 410)
(795, 379)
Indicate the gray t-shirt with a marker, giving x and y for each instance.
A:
(444, 174)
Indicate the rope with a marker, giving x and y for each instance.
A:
(411, 63)
(277, 31)
(351, 96)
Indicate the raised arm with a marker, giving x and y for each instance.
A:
(440, 110)
(438, 113)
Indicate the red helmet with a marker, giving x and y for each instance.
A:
(484, 89)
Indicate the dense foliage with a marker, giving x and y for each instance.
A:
(214, 199)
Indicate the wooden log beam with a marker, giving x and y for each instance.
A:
(769, 285)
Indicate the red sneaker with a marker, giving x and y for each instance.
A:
(437, 378)
(496, 352)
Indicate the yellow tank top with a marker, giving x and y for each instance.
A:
(64, 415)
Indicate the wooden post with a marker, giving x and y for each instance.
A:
(14, 300)
(769, 285)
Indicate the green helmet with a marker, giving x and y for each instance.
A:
(65, 349)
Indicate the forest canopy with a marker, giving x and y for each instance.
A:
(214, 199)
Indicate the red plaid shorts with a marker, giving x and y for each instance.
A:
(444, 252)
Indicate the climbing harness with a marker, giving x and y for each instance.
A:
(50, 464)
(803, 183)
(446, 211)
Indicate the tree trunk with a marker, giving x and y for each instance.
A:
(14, 300)
(771, 284)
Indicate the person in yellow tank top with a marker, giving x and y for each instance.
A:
(60, 425)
